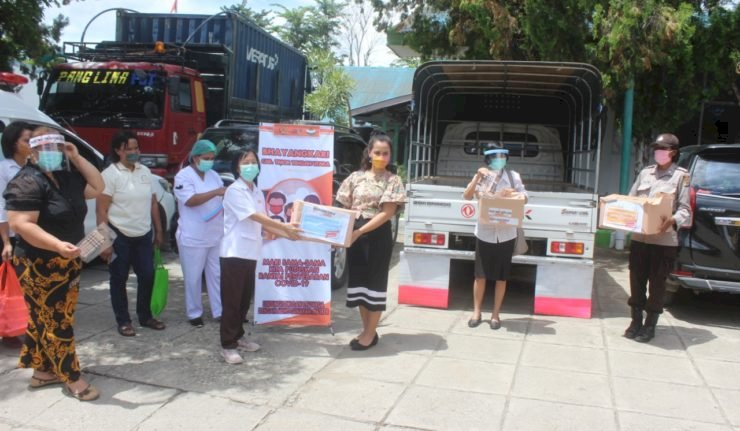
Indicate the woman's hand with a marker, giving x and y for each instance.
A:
(71, 151)
(667, 223)
(508, 192)
(482, 172)
(106, 255)
(7, 252)
(292, 231)
(67, 250)
(356, 234)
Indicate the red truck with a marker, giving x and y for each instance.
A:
(167, 77)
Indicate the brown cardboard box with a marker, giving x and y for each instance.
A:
(325, 224)
(496, 210)
(634, 214)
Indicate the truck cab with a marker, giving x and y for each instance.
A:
(163, 104)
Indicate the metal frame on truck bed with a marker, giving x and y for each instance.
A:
(509, 103)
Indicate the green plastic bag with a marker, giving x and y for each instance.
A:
(161, 284)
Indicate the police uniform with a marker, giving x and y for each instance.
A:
(652, 256)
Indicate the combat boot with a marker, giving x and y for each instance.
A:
(647, 332)
(636, 323)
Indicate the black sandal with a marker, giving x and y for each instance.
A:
(127, 330)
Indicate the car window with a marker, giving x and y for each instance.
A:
(228, 142)
(717, 173)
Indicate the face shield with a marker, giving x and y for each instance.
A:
(49, 152)
(496, 158)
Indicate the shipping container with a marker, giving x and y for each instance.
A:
(249, 74)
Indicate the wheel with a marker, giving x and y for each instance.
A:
(672, 289)
(339, 272)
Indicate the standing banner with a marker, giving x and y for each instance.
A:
(293, 285)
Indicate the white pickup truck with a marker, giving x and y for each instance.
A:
(548, 115)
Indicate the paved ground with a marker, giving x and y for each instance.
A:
(429, 371)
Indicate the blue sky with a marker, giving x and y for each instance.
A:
(103, 28)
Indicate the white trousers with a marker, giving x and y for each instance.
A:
(194, 260)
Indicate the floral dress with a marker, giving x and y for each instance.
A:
(369, 257)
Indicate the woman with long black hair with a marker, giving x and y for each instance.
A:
(378, 194)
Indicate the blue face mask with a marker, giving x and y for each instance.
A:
(50, 160)
(249, 172)
(497, 164)
(205, 165)
(132, 157)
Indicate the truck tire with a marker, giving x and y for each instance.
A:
(339, 272)
(672, 289)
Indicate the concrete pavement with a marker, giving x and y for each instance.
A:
(429, 371)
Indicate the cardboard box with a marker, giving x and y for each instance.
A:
(634, 214)
(496, 210)
(321, 223)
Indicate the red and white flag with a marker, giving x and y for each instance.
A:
(173, 9)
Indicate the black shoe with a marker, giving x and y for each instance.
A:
(647, 332)
(473, 323)
(197, 322)
(356, 345)
(635, 325)
(495, 324)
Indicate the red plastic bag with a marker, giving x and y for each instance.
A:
(13, 309)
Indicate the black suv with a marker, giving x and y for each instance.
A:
(709, 252)
(233, 135)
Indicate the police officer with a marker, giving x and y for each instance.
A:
(652, 256)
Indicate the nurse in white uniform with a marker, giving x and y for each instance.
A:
(199, 191)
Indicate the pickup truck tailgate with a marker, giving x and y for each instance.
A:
(564, 212)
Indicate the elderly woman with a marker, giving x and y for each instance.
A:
(16, 151)
(199, 191)
(129, 206)
(494, 245)
(46, 208)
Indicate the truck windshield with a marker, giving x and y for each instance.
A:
(106, 98)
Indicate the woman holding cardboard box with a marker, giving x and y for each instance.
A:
(494, 245)
(244, 221)
(652, 256)
(377, 194)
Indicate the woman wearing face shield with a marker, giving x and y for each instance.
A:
(46, 209)
(494, 245)
(16, 150)
(652, 256)
(199, 191)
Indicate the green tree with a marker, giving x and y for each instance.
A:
(311, 27)
(314, 30)
(678, 53)
(333, 88)
(262, 18)
(24, 39)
